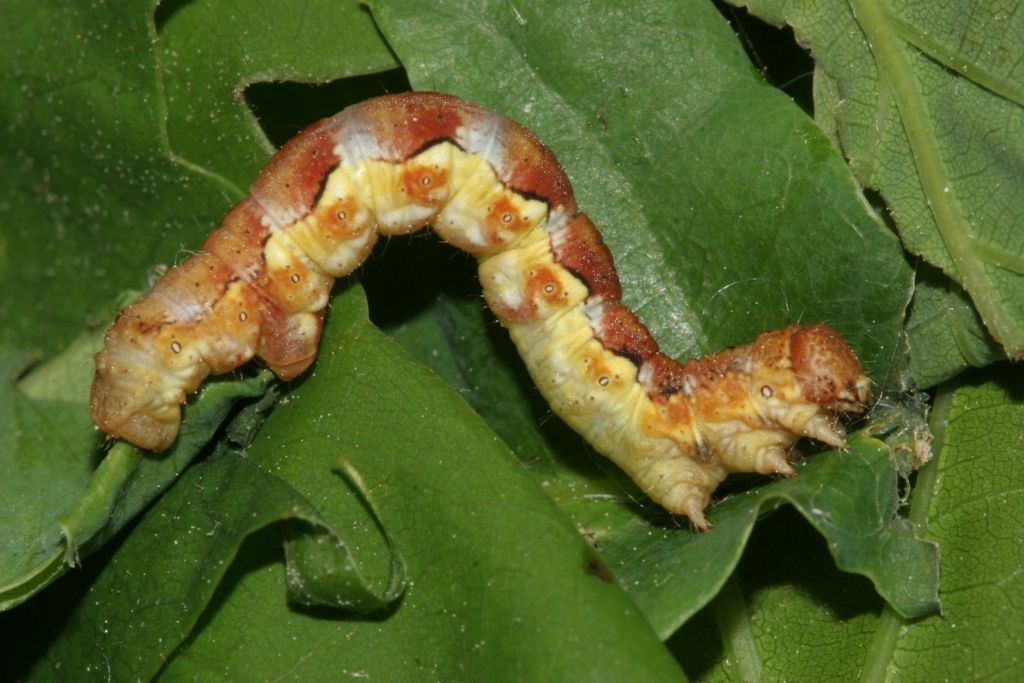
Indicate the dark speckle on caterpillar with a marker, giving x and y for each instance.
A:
(395, 164)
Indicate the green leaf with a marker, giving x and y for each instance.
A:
(729, 213)
(944, 331)
(804, 622)
(664, 569)
(128, 145)
(270, 41)
(786, 614)
(61, 503)
(723, 224)
(104, 194)
(930, 111)
(970, 502)
(128, 479)
(500, 581)
(695, 299)
(672, 572)
(46, 446)
(154, 605)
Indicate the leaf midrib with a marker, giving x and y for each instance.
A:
(974, 70)
(893, 63)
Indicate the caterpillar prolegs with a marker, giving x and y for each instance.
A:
(395, 164)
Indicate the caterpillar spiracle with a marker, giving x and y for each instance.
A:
(394, 164)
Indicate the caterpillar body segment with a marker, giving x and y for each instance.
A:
(395, 164)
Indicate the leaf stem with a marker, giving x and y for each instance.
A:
(924, 487)
(730, 612)
(893, 63)
(880, 652)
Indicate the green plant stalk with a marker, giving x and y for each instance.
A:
(880, 652)
(733, 618)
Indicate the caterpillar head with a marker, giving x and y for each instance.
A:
(113, 414)
(121, 409)
(827, 371)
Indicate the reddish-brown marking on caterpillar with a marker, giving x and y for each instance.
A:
(394, 164)
(583, 252)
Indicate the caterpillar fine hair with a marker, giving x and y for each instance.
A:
(394, 164)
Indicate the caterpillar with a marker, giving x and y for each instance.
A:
(392, 165)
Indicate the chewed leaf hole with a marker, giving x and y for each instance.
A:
(284, 108)
(775, 53)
